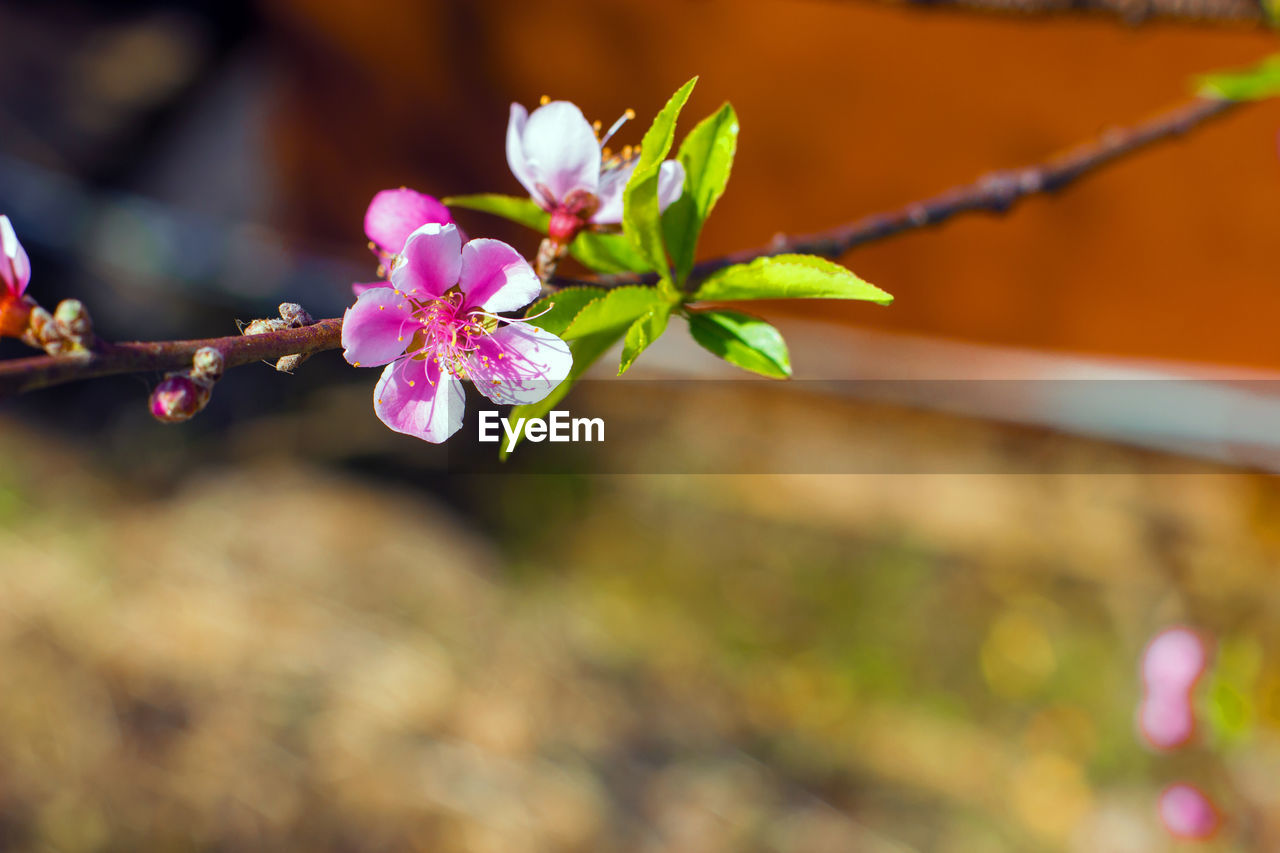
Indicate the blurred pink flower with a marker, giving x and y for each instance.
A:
(437, 324)
(15, 274)
(1172, 664)
(392, 216)
(1174, 660)
(1187, 813)
(555, 155)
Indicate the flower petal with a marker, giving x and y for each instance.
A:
(415, 397)
(15, 266)
(496, 278)
(395, 214)
(612, 183)
(430, 262)
(670, 183)
(519, 363)
(377, 328)
(561, 151)
(515, 150)
(359, 287)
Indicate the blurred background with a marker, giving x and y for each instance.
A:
(283, 627)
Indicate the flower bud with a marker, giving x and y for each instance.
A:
(1187, 813)
(294, 315)
(207, 365)
(178, 398)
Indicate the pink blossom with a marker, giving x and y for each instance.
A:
(556, 156)
(1187, 813)
(1174, 660)
(15, 267)
(438, 323)
(1166, 719)
(392, 216)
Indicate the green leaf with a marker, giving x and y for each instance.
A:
(1257, 83)
(641, 217)
(741, 339)
(644, 332)
(615, 311)
(521, 210)
(788, 277)
(555, 312)
(608, 253)
(707, 156)
(586, 352)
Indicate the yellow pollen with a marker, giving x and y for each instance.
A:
(410, 383)
(500, 355)
(401, 338)
(596, 126)
(382, 308)
(355, 364)
(544, 100)
(630, 114)
(606, 153)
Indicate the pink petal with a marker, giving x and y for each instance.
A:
(496, 278)
(415, 397)
(395, 214)
(561, 151)
(1166, 720)
(1187, 813)
(1174, 660)
(15, 266)
(515, 150)
(670, 183)
(360, 287)
(519, 363)
(612, 183)
(430, 262)
(378, 328)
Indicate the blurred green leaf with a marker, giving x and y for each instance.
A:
(521, 210)
(586, 352)
(618, 309)
(1256, 83)
(741, 339)
(643, 332)
(555, 312)
(608, 253)
(641, 217)
(707, 156)
(788, 277)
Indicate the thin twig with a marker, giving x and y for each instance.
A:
(995, 193)
(1130, 11)
(27, 374)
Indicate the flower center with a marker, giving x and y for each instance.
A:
(446, 333)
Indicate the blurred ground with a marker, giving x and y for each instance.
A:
(268, 653)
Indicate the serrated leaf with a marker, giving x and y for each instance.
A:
(643, 332)
(707, 156)
(608, 253)
(618, 309)
(788, 277)
(586, 352)
(1257, 83)
(741, 339)
(521, 210)
(641, 216)
(554, 313)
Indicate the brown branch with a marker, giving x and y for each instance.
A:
(28, 374)
(994, 193)
(1130, 11)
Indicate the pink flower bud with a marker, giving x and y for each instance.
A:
(1166, 719)
(1174, 660)
(1187, 813)
(15, 268)
(395, 214)
(178, 398)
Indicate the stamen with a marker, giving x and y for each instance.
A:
(627, 116)
(544, 100)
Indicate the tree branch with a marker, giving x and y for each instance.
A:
(1130, 11)
(995, 193)
(28, 374)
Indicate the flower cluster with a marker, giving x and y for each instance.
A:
(1172, 665)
